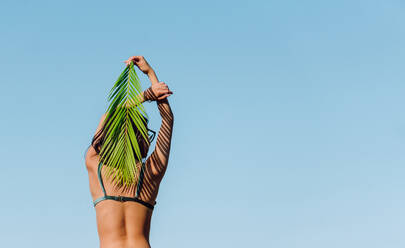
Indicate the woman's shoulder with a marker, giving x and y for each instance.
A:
(91, 159)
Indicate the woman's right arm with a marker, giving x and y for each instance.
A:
(159, 92)
(160, 156)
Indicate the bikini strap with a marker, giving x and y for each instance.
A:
(139, 184)
(100, 179)
(123, 198)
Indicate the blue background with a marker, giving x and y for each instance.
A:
(289, 126)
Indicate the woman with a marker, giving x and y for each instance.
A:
(124, 216)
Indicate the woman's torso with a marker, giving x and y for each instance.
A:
(127, 224)
(122, 224)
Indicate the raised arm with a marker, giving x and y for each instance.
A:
(160, 156)
(158, 92)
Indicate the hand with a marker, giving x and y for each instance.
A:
(157, 91)
(161, 90)
(140, 62)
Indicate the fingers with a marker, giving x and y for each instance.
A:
(163, 97)
(127, 62)
(163, 85)
(163, 88)
(134, 59)
(163, 91)
(138, 58)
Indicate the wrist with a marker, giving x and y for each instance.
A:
(150, 72)
(148, 95)
(142, 97)
(152, 76)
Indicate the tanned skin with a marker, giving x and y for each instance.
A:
(127, 224)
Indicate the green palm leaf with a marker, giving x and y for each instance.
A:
(120, 150)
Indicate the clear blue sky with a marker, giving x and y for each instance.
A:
(289, 119)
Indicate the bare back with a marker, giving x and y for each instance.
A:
(127, 224)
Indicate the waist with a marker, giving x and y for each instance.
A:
(123, 222)
(133, 242)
